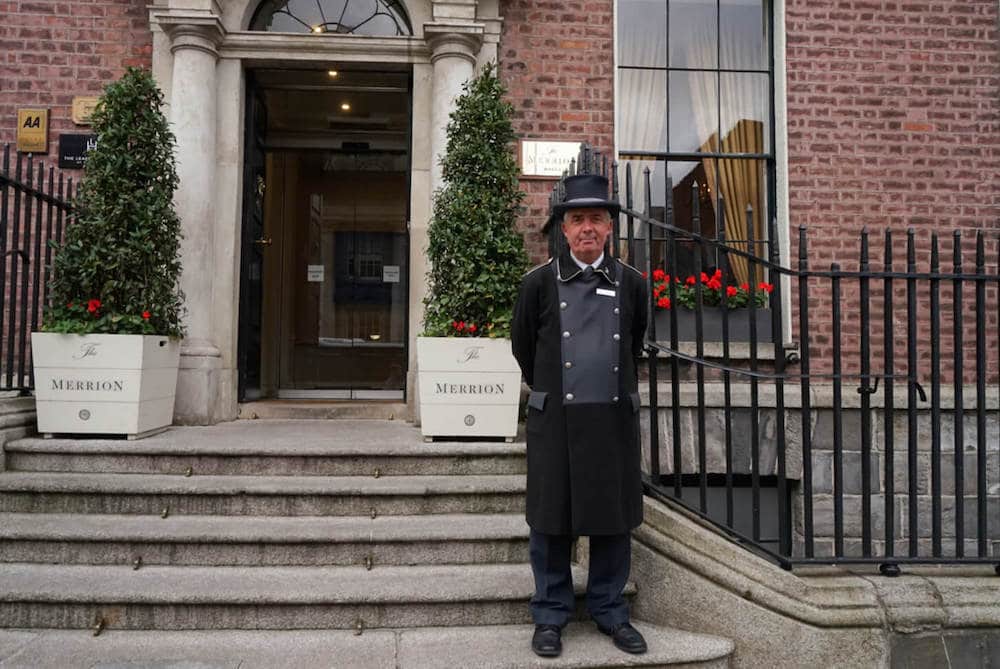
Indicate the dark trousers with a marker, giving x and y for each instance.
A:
(554, 603)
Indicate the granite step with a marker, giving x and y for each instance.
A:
(272, 448)
(484, 647)
(305, 409)
(202, 598)
(261, 541)
(44, 492)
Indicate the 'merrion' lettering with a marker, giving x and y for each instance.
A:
(470, 389)
(76, 384)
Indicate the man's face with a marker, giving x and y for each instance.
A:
(586, 231)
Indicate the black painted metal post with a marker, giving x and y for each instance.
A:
(838, 419)
(911, 389)
(700, 354)
(888, 352)
(727, 413)
(754, 389)
(959, 427)
(654, 428)
(865, 390)
(806, 400)
(935, 398)
(981, 491)
(784, 510)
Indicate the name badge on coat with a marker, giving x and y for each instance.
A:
(605, 291)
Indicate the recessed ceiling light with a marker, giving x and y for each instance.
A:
(317, 29)
(333, 73)
(345, 106)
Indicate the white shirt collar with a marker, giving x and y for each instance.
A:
(583, 265)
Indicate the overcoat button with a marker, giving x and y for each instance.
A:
(568, 364)
(563, 305)
(615, 369)
(616, 336)
(569, 396)
(616, 310)
(566, 334)
(615, 398)
(617, 283)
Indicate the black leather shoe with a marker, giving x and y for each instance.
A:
(626, 638)
(547, 640)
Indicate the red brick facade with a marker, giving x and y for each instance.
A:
(53, 50)
(557, 60)
(893, 110)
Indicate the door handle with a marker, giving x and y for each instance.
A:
(263, 241)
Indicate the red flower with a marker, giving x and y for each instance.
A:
(461, 325)
(472, 327)
(146, 315)
(718, 274)
(658, 275)
(731, 291)
(663, 303)
(93, 306)
(714, 284)
(704, 278)
(690, 281)
(70, 305)
(657, 290)
(767, 287)
(745, 286)
(645, 275)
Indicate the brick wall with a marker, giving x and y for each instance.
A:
(894, 121)
(53, 50)
(557, 61)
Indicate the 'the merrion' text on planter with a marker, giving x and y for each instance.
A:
(104, 383)
(469, 387)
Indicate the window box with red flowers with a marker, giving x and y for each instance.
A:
(106, 361)
(469, 384)
(718, 302)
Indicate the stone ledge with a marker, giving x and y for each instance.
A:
(924, 597)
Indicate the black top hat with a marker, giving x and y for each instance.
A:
(586, 191)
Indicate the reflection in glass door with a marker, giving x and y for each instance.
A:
(342, 328)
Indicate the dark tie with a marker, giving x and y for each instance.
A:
(588, 273)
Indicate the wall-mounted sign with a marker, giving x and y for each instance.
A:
(315, 273)
(33, 130)
(73, 150)
(83, 107)
(547, 159)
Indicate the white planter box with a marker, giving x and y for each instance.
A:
(469, 387)
(104, 384)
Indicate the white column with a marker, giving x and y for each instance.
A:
(193, 117)
(454, 48)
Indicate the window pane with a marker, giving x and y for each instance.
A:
(692, 211)
(742, 183)
(642, 110)
(694, 119)
(693, 33)
(743, 34)
(642, 33)
(745, 113)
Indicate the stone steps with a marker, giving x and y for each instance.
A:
(484, 647)
(261, 541)
(339, 410)
(274, 448)
(177, 598)
(43, 492)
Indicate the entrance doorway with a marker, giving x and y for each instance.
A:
(324, 292)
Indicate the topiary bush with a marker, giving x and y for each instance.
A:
(476, 254)
(119, 266)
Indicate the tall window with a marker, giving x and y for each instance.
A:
(357, 17)
(695, 85)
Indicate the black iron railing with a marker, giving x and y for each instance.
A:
(862, 426)
(34, 209)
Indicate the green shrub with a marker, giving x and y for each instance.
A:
(118, 268)
(476, 254)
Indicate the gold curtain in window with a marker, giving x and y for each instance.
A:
(740, 183)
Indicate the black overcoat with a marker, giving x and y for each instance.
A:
(583, 458)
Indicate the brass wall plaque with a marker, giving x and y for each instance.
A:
(33, 130)
(83, 107)
(546, 159)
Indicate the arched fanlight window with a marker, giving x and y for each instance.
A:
(346, 17)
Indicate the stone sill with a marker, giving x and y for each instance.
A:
(820, 396)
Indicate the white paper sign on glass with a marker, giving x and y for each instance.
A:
(390, 273)
(314, 273)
